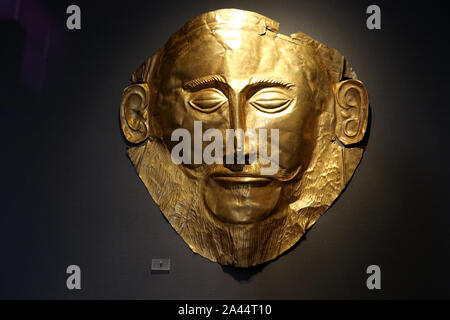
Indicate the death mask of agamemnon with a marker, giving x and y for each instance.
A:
(244, 137)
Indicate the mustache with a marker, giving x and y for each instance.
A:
(246, 169)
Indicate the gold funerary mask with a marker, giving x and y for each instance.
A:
(244, 136)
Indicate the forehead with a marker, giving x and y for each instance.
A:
(236, 54)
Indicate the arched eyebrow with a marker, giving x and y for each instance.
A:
(270, 81)
(200, 82)
(254, 81)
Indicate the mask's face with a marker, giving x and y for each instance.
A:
(237, 79)
(252, 134)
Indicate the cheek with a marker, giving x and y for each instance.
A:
(297, 144)
(175, 112)
(292, 147)
(297, 138)
(171, 112)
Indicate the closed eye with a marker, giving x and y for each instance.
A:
(270, 100)
(207, 100)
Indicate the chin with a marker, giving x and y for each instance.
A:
(241, 199)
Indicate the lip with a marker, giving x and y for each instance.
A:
(256, 181)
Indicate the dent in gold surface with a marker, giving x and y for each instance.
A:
(231, 69)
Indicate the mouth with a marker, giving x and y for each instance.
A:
(230, 180)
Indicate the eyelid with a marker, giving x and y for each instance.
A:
(207, 100)
(270, 100)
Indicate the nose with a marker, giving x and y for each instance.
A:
(237, 157)
(236, 167)
(237, 115)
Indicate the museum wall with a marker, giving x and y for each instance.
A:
(70, 195)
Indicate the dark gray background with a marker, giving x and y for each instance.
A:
(69, 194)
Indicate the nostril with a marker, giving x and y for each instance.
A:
(235, 167)
(250, 158)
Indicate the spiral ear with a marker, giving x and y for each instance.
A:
(134, 117)
(352, 107)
